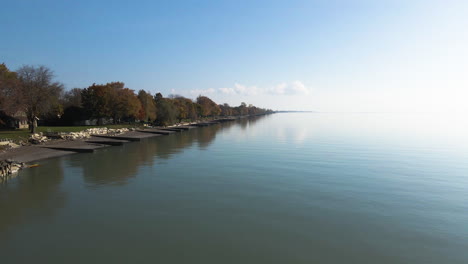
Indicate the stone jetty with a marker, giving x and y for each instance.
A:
(156, 131)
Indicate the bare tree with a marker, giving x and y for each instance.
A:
(40, 93)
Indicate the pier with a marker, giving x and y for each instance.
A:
(106, 141)
(75, 146)
(157, 131)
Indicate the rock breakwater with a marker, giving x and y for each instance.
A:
(44, 137)
(9, 167)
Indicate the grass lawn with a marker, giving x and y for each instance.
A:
(15, 135)
(23, 134)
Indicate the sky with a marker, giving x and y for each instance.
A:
(328, 56)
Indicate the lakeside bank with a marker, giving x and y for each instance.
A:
(62, 144)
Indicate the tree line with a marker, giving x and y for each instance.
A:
(32, 90)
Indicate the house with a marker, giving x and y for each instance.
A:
(19, 120)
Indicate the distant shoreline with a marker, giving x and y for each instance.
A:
(293, 111)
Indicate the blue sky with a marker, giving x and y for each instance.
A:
(307, 55)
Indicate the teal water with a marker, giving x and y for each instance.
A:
(284, 188)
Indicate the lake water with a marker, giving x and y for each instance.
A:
(284, 188)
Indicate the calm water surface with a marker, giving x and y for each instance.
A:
(285, 188)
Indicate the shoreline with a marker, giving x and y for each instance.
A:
(61, 147)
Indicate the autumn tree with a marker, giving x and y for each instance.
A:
(96, 101)
(10, 96)
(126, 105)
(110, 100)
(72, 98)
(167, 111)
(186, 108)
(243, 109)
(226, 110)
(40, 93)
(116, 101)
(191, 109)
(208, 107)
(148, 108)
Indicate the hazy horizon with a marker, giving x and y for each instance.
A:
(339, 56)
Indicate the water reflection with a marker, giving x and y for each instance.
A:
(117, 165)
(34, 193)
(246, 122)
(205, 136)
(289, 132)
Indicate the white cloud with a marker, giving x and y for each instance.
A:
(240, 90)
(227, 90)
(294, 88)
(197, 92)
(246, 90)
